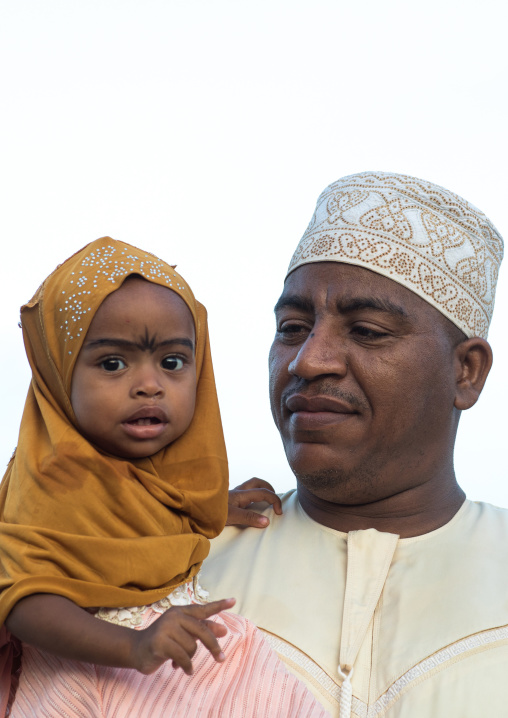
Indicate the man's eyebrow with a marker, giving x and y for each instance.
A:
(294, 301)
(380, 305)
(143, 345)
(347, 306)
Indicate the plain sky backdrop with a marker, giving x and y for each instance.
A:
(204, 130)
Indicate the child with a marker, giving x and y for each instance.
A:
(117, 484)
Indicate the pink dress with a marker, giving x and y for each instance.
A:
(251, 683)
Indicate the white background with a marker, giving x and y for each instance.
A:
(204, 130)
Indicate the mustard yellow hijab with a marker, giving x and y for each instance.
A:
(75, 521)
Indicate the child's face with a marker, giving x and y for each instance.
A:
(134, 383)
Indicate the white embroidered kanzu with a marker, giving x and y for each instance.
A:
(346, 693)
(423, 621)
(349, 705)
(419, 234)
(439, 661)
(184, 595)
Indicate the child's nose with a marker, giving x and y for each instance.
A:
(148, 384)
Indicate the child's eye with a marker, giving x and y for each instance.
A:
(112, 364)
(172, 363)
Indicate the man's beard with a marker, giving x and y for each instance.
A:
(341, 486)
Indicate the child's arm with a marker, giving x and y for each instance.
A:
(57, 625)
(251, 491)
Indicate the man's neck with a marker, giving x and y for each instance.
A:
(414, 512)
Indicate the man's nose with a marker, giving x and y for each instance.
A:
(321, 354)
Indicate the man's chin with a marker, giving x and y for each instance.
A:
(335, 480)
(313, 459)
(339, 488)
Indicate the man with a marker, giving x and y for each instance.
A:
(381, 586)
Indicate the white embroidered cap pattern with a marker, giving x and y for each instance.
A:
(421, 235)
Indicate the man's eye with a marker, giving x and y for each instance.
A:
(112, 364)
(172, 363)
(290, 328)
(289, 332)
(368, 333)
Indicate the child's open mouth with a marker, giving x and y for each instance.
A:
(149, 428)
(147, 423)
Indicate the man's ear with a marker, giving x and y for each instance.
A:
(473, 359)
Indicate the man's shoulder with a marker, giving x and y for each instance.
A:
(235, 539)
(490, 520)
(242, 559)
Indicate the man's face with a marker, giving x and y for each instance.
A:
(362, 383)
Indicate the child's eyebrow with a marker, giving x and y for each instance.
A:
(145, 344)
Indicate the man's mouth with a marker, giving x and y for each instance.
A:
(318, 404)
(315, 413)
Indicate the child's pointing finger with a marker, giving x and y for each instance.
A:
(209, 609)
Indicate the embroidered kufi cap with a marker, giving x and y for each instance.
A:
(422, 236)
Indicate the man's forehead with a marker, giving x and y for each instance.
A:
(348, 288)
(345, 282)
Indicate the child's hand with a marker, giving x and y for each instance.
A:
(247, 493)
(174, 637)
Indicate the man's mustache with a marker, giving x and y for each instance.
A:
(324, 387)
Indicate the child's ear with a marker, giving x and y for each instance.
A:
(473, 359)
